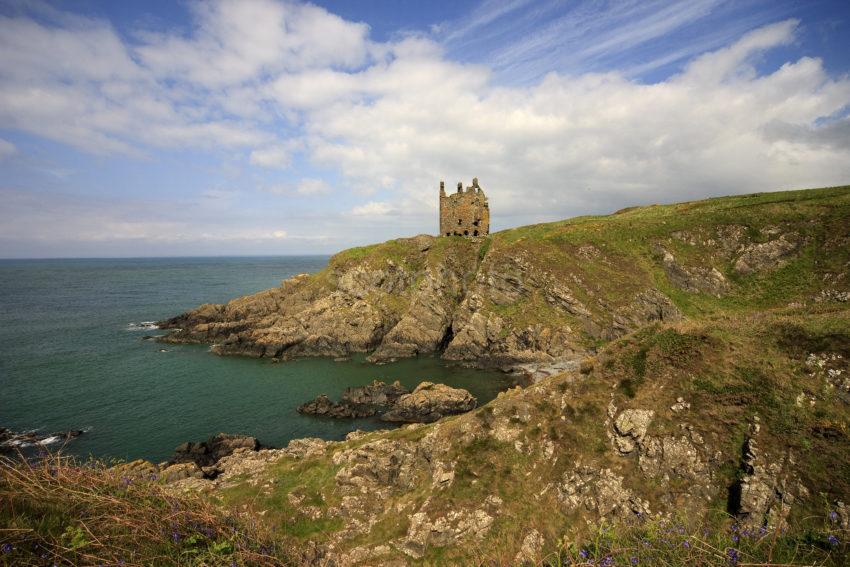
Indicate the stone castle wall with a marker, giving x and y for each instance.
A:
(464, 213)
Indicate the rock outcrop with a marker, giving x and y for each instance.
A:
(364, 401)
(429, 402)
(209, 452)
(12, 440)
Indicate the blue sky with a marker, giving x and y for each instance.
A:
(266, 127)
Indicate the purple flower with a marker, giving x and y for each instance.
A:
(732, 555)
(607, 561)
(7, 548)
(686, 544)
(583, 553)
(175, 537)
(833, 516)
(735, 538)
(633, 560)
(832, 540)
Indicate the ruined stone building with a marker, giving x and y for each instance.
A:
(465, 213)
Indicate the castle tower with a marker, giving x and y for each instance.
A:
(465, 213)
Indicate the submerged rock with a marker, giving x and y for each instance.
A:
(10, 440)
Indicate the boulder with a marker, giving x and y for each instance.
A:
(429, 402)
(207, 453)
(180, 471)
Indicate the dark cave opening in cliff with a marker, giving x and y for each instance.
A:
(447, 338)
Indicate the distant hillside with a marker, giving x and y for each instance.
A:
(545, 293)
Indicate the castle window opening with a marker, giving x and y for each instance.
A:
(474, 233)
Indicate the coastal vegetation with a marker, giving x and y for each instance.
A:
(686, 404)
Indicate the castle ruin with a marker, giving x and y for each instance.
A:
(465, 213)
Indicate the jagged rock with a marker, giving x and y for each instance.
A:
(599, 491)
(647, 307)
(375, 394)
(631, 426)
(531, 550)
(450, 529)
(323, 406)
(180, 471)
(670, 457)
(769, 487)
(696, 279)
(767, 255)
(364, 401)
(138, 469)
(208, 452)
(680, 405)
(429, 402)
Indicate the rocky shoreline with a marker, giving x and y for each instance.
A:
(11, 441)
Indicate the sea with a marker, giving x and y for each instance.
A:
(73, 357)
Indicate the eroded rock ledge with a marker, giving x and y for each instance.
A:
(427, 403)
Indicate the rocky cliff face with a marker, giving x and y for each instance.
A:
(710, 340)
(537, 295)
(682, 420)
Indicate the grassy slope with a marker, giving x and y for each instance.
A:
(627, 263)
(738, 355)
(729, 371)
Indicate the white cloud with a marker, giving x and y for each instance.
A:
(282, 81)
(279, 234)
(278, 155)
(372, 209)
(313, 187)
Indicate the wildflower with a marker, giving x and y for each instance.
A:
(833, 516)
(126, 480)
(607, 561)
(7, 548)
(175, 537)
(762, 531)
(732, 555)
(583, 553)
(736, 538)
(633, 560)
(832, 540)
(686, 544)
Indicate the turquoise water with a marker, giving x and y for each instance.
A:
(68, 360)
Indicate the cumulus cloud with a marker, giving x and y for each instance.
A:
(313, 187)
(372, 209)
(283, 82)
(278, 155)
